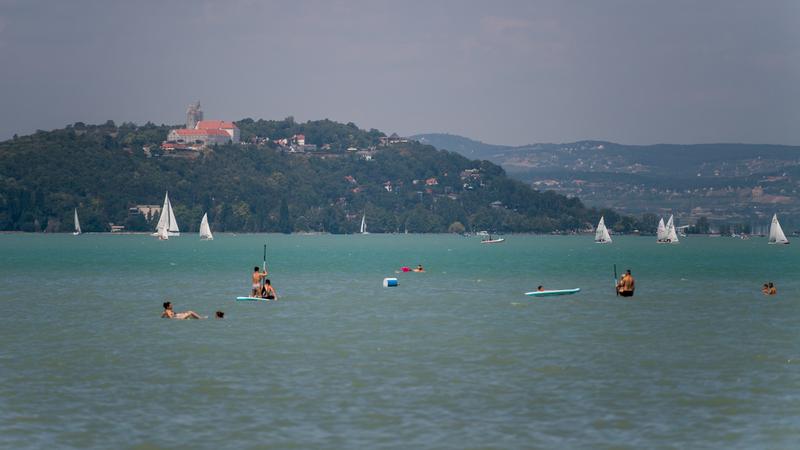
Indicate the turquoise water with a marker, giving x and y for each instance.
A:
(453, 358)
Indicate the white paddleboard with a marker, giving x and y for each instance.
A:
(555, 292)
(252, 299)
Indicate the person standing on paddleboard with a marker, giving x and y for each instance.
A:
(627, 284)
(257, 277)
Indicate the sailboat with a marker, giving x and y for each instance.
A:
(490, 240)
(77, 224)
(205, 230)
(601, 235)
(167, 220)
(672, 236)
(363, 229)
(661, 233)
(776, 235)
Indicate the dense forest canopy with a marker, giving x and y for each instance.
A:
(104, 170)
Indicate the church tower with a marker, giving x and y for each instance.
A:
(193, 115)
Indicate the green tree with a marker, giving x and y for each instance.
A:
(284, 221)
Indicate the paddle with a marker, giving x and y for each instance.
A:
(616, 288)
(263, 267)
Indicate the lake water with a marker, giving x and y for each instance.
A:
(453, 358)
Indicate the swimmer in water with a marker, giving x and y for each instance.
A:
(419, 268)
(540, 288)
(170, 314)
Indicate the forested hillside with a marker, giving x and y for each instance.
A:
(728, 184)
(103, 171)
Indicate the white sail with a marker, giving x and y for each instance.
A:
(601, 234)
(672, 236)
(776, 235)
(661, 234)
(173, 224)
(205, 230)
(77, 224)
(164, 218)
(363, 224)
(163, 234)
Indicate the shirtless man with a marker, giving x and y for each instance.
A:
(419, 268)
(170, 314)
(268, 292)
(257, 276)
(627, 284)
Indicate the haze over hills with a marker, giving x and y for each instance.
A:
(726, 183)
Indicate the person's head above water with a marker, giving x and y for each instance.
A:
(219, 314)
(540, 288)
(167, 305)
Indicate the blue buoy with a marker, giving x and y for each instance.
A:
(390, 282)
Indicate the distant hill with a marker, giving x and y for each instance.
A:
(105, 170)
(465, 146)
(727, 183)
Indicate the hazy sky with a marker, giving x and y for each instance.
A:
(507, 72)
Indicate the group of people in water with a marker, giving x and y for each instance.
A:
(261, 288)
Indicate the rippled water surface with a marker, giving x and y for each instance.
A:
(456, 357)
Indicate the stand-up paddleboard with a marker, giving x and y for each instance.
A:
(252, 299)
(555, 292)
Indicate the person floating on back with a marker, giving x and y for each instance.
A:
(626, 285)
(170, 314)
(268, 292)
(257, 277)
